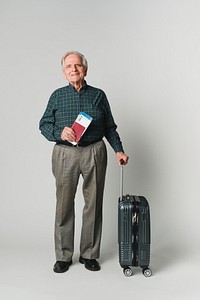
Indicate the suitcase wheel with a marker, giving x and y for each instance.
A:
(147, 272)
(128, 272)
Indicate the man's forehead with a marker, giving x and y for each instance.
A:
(72, 58)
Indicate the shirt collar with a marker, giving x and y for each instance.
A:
(84, 87)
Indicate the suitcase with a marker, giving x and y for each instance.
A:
(133, 232)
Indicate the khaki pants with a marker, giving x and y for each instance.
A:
(68, 163)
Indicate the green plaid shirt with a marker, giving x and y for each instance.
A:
(66, 103)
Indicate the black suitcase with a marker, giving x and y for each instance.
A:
(133, 232)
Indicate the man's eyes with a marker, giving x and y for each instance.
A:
(77, 66)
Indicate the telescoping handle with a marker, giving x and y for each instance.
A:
(121, 179)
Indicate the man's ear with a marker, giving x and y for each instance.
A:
(63, 71)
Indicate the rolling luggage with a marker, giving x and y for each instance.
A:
(133, 232)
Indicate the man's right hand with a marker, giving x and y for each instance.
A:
(68, 134)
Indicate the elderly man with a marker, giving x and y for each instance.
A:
(87, 158)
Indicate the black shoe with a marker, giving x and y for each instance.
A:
(62, 266)
(90, 264)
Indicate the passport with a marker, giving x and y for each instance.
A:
(80, 125)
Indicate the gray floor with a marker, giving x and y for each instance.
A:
(26, 273)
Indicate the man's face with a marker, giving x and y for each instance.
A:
(73, 70)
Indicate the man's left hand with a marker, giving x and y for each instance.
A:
(122, 158)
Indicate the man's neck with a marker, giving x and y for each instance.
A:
(78, 85)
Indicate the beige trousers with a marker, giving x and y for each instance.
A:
(68, 163)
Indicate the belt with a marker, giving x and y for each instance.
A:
(80, 144)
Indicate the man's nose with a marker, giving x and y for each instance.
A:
(74, 68)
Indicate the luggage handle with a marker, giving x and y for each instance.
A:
(121, 179)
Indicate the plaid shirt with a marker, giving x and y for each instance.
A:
(66, 103)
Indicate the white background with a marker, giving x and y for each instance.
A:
(146, 56)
